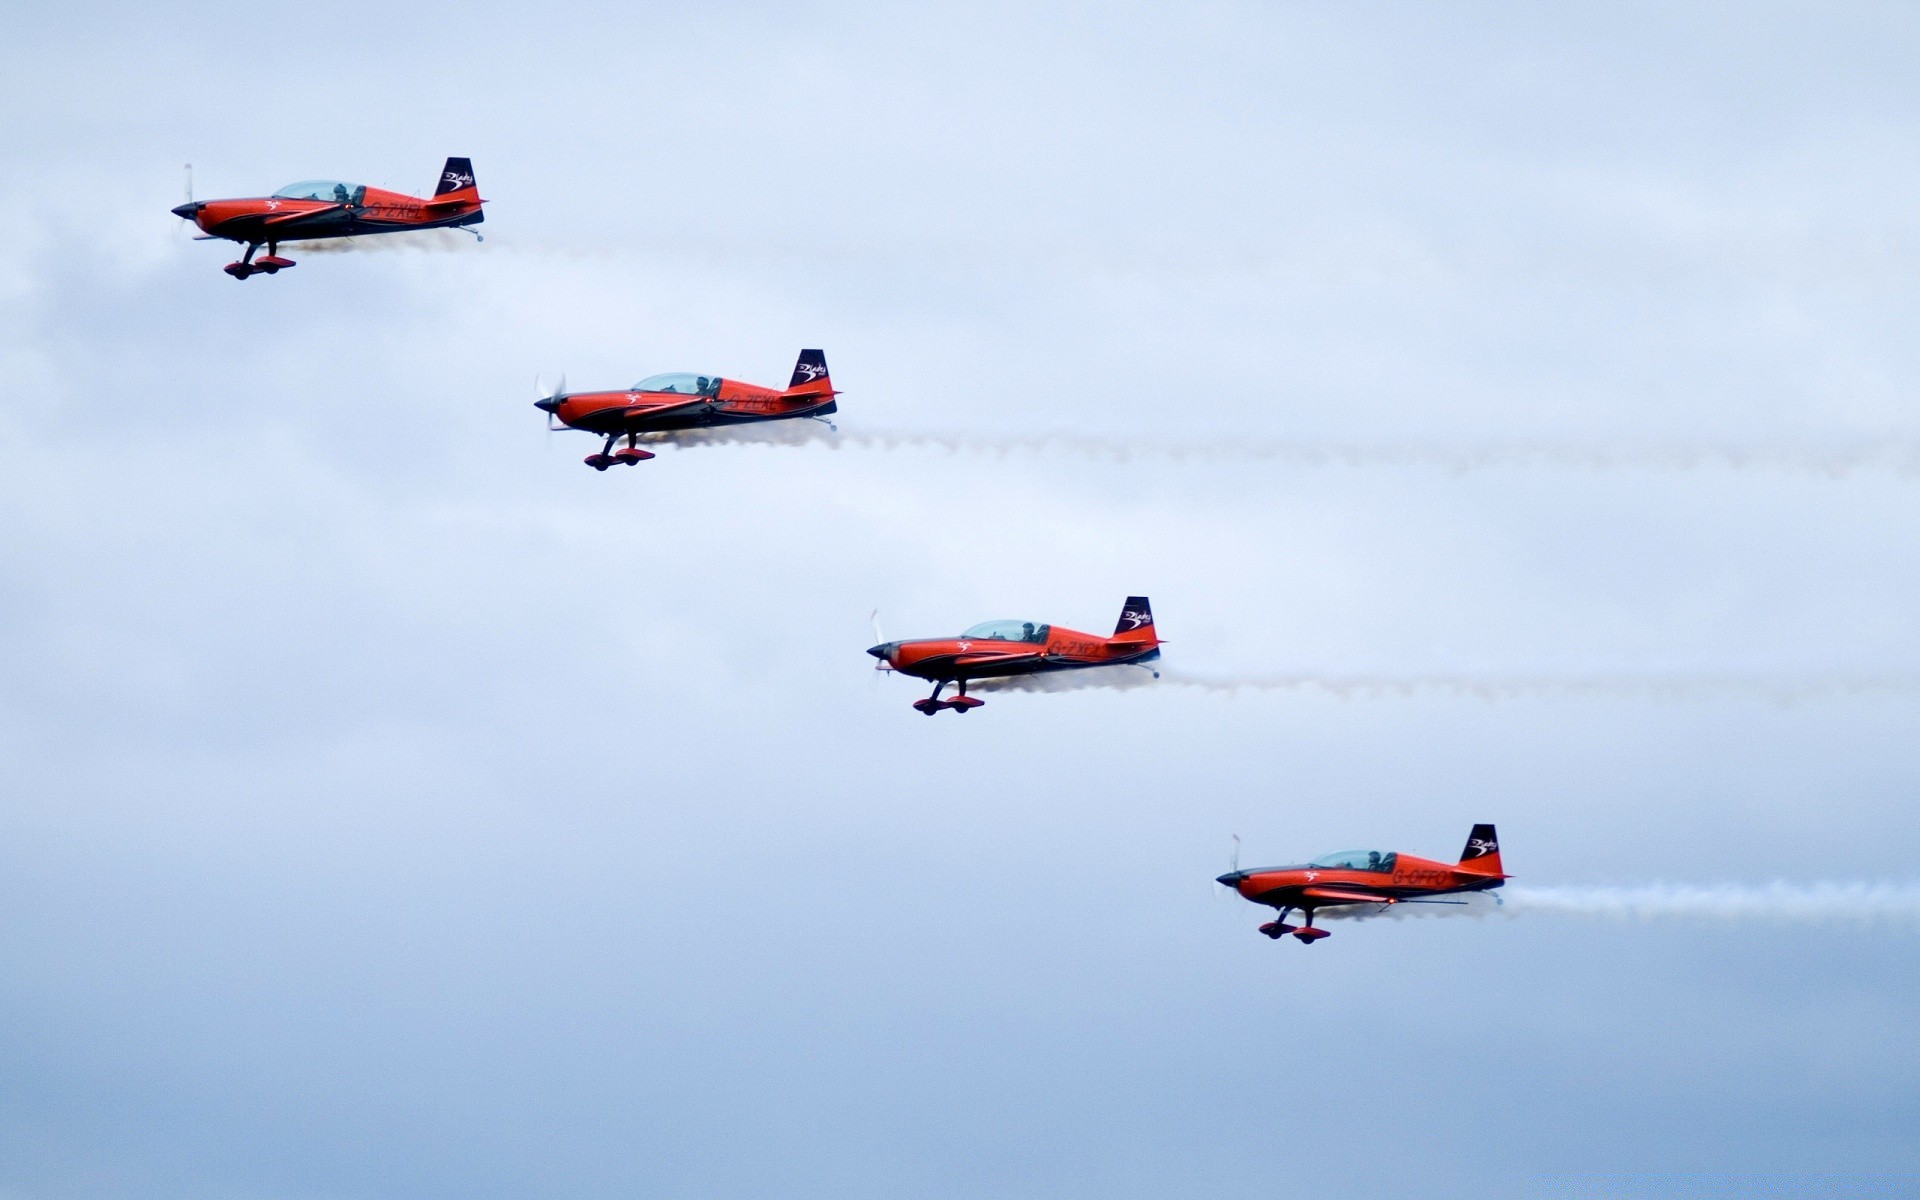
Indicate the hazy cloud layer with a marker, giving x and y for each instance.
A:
(397, 807)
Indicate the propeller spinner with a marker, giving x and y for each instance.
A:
(882, 648)
(550, 404)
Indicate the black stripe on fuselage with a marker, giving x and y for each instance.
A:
(326, 225)
(1293, 895)
(1041, 665)
(614, 420)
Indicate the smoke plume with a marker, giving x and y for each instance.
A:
(433, 241)
(1898, 457)
(1797, 903)
(1117, 678)
(1780, 689)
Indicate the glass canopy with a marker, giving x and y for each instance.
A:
(1008, 631)
(1357, 860)
(681, 384)
(324, 189)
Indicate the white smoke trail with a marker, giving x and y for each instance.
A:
(1118, 678)
(1781, 689)
(1463, 904)
(434, 241)
(1898, 457)
(1797, 903)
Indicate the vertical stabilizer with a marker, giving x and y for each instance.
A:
(810, 375)
(456, 176)
(1136, 621)
(1482, 855)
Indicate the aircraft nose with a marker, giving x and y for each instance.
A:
(549, 405)
(883, 652)
(188, 211)
(1230, 879)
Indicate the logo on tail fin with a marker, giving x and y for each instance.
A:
(1480, 843)
(457, 174)
(1135, 614)
(811, 366)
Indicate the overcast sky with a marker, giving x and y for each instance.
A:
(395, 807)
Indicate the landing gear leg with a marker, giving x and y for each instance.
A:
(1307, 934)
(245, 267)
(604, 459)
(1278, 927)
(932, 704)
(273, 262)
(631, 453)
(963, 702)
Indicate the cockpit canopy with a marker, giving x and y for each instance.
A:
(1008, 631)
(324, 189)
(681, 383)
(1357, 860)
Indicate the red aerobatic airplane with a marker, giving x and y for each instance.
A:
(326, 208)
(1366, 877)
(664, 403)
(998, 649)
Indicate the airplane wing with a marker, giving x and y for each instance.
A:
(981, 658)
(1347, 895)
(641, 412)
(290, 218)
(976, 658)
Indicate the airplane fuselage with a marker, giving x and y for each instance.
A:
(268, 219)
(945, 660)
(733, 403)
(1309, 886)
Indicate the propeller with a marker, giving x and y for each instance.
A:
(1233, 867)
(188, 211)
(879, 640)
(549, 404)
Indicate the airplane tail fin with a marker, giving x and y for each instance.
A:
(1482, 855)
(1136, 622)
(456, 176)
(810, 375)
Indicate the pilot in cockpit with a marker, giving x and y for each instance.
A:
(1026, 631)
(340, 193)
(1373, 860)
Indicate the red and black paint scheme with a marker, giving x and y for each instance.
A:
(1367, 877)
(667, 403)
(328, 208)
(999, 649)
